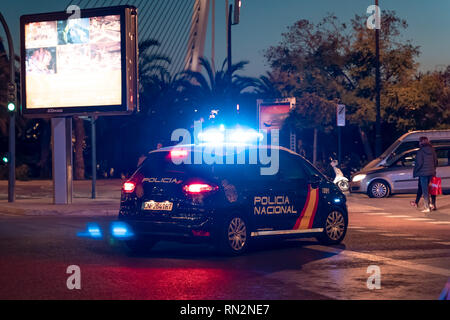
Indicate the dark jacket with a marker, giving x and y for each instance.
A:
(426, 162)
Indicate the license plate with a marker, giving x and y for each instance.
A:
(157, 206)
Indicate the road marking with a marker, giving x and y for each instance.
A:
(355, 227)
(444, 243)
(439, 222)
(396, 235)
(397, 216)
(422, 239)
(419, 219)
(377, 213)
(380, 259)
(371, 231)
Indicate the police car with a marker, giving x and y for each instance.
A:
(170, 197)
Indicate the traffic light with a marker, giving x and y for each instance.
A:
(12, 97)
(5, 159)
(237, 11)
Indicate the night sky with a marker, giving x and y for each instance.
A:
(263, 21)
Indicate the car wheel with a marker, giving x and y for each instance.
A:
(235, 235)
(334, 229)
(343, 186)
(141, 245)
(379, 189)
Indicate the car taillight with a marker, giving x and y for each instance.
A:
(198, 188)
(128, 187)
(179, 154)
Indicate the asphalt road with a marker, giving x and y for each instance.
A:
(413, 256)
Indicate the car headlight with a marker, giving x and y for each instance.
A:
(359, 177)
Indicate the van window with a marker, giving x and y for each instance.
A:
(405, 146)
(443, 156)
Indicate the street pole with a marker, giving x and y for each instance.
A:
(12, 118)
(213, 36)
(94, 157)
(339, 145)
(378, 142)
(230, 12)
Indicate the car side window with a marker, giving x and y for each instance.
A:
(407, 160)
(443, 156)
(291, 167)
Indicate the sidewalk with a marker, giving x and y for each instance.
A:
(35, 198)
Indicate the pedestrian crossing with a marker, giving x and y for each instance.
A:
(405, 236)
(426, 219)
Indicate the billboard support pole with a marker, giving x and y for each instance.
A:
(12, 118)
(94, 157)
(339, 144)
(62, 160)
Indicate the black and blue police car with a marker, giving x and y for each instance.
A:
(229, 205)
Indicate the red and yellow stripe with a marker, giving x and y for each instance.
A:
(306, 219)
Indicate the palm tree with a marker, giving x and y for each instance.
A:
(268, 87)
(221, 90)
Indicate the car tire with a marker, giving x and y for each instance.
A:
(343, 186)
(234, 236)
(141, 245)
(334, 229)
(379, 189)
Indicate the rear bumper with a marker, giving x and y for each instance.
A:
(183, 231)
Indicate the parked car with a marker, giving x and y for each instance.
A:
(406, 142)
(396, 175)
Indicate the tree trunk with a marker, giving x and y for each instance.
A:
(366, 144)
(80, 137)
(315, 147)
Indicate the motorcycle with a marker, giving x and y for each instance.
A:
(340, 180)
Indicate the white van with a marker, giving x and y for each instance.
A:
(409, 141)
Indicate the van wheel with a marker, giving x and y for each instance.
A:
(234, 236)
(141, 245)
(379, 189)
(334, 229)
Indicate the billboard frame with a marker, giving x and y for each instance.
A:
(282, 101)
(129, 64)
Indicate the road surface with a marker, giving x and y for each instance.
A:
(411, 251)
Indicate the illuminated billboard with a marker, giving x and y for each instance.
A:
(86, 65)
(273, 113)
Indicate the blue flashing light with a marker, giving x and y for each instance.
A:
(121, 230)
(238, 135)
(211, 136)
(241, 135)
(337, 200)
(93, 230)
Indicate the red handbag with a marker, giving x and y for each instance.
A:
(435, 187)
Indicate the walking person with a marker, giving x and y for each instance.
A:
(419, 195)
(425, 169)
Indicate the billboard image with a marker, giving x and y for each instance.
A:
(273, 113)
(74, 64)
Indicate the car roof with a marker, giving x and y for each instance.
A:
(222, 145)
